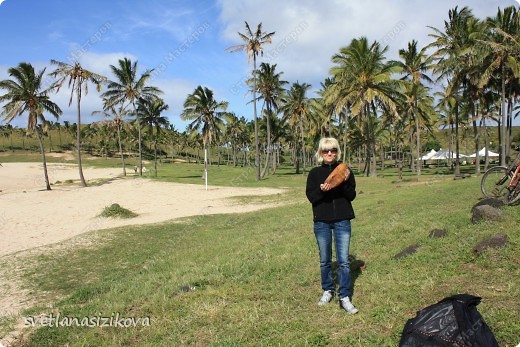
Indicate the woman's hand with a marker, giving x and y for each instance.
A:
(325, 187)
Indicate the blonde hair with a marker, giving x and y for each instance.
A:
(327, 142)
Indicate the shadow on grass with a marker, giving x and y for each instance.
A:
(281, 174)
(192, 176)
(356, 269)
(102, 181)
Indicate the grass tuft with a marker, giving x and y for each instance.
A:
(116, 211)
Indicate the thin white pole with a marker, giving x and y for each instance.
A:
(206, 167)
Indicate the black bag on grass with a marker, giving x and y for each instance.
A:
(453, 321)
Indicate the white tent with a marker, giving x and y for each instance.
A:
(429, 155)
(440, 155)
(482, 153)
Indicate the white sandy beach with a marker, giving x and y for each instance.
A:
(31, 216)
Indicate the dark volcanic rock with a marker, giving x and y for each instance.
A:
(490, 202)
(485, 212)
(407, 251)
(496, 241)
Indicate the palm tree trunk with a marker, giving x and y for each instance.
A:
(268, 156)
(412, 163)
(486, 143)
(257, 146)
(476, 137)
(457, 166)
(504, 117)
(303, 145)
(294, 153)
(121, 148)
(418, 136)
(78, 138)
(155, 158)
(140, 147)
(366, 169)
(372, 130)
(44, 160)
(233, 147)
(345, 138)
(139, 140)
(373, 156)
(205, 165)
(509, 125)
(209, 153)
(275, 158)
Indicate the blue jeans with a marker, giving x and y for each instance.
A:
(323, 232)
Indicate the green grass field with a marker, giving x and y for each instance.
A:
(252, 279)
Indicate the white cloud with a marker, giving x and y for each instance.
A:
(308, 32)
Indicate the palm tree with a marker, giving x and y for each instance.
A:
(150, 113)
(25, 94)
(489, 108)
(234, 129)
(446, 104)
(127, 89)
(417, 107)
(280, 135)
(503, 42)
(101, 133)
(451, 56)
(295, 110)
(110, 111)
(78, 79)
(173, 137)
(414, 66)
(206, 113)
(363, 82)
(271, 91)
(252, 45)
(327, 118)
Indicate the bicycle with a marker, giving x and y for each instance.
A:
(501, 182)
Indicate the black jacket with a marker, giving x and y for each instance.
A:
(336, 203)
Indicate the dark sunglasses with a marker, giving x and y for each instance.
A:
(332, 150)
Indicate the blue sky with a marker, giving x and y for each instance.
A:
(185, 40)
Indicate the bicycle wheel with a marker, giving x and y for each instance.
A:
(513, 196)
(494, 182)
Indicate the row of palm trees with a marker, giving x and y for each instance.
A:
(468, 75)
(471, 61)
(127, 93)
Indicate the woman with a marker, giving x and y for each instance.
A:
(332, 211)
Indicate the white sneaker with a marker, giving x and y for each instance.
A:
(326, 297)
(346, 305)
